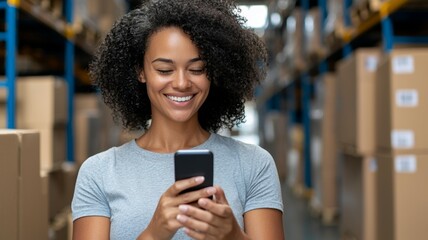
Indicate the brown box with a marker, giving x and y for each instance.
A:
(356, 96)
(9, 173)
(61, 189)
(86, 108)
(358, 198)
(402, 198)
(402, 102)
(314, 48)
(324, 152)
(31, 222)
(294, 37)
(41, 101)
(42, 105)
(275, 124)
(53, 142)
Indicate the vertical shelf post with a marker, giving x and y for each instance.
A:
(307, 168)
(11, 42)
(69, 77)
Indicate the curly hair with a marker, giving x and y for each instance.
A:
(235, 57)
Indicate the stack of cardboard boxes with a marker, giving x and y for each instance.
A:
(383, 106)
(402, 144)
(23, 202)
(41, 105)
(324, 199)
(356, 142)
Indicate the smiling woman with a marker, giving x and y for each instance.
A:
(187, 67)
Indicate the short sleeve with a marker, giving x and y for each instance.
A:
(89, 198)
(263, 188)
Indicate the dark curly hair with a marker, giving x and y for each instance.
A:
(235, 58)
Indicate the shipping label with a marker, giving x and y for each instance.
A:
(403, 65)
(405, 164)
(402, 139)
(371, 63)
(406, 98)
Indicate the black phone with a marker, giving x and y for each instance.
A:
(192, 163)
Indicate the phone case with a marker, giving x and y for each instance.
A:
(192, 163)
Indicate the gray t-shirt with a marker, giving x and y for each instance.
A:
(125, 183)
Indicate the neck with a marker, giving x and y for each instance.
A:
(169, 139)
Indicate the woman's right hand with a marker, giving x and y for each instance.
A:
(164, 222)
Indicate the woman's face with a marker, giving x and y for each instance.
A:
(175, 76)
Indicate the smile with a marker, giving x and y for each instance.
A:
(180, 99)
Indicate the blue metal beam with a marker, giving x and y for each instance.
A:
(410, 39)
(387, 34)
(69, 77)
(11, 42)
(3, 36)
(3, 5)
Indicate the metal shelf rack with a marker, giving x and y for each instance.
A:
(383, 21)
(9, 36)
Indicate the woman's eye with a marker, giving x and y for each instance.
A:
(164, 72)
(198, 71)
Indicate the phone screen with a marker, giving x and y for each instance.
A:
(192, 163)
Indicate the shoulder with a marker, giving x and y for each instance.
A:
(101, 161)
(244, 151)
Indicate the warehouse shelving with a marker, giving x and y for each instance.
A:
(381, 22)
(63, 27)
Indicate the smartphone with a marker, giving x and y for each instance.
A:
(192, 163)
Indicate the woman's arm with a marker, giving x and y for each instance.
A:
(94, 228)
(264, 223)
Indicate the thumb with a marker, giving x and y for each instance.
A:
(219, 196)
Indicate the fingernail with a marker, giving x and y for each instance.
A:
(183, 208)
(181, 218)
(199, 179)
(211, 190)
(202, 202)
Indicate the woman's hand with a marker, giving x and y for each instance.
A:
(164, 222)
(214, 221)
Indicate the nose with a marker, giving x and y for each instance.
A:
(181, 81)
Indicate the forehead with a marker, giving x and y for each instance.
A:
(171, 42)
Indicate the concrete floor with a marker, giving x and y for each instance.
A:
(299, 224)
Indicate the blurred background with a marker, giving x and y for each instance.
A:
(342, 110)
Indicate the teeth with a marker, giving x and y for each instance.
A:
(180, 99)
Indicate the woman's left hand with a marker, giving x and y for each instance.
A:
(213, 220)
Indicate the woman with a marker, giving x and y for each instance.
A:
(180, 70)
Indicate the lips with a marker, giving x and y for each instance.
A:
(180, 99)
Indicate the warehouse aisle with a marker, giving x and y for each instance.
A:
(300, 225)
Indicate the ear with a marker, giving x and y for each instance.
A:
(142, 77)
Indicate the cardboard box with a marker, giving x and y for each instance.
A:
(41, 101)
(61, 189)
(402, 102)
(9, 173)
(275, 124)
(358, 198)
(356, 96)
(324, 151)
(314, 47)
(53, 147)
(87, 135)
(41, 104)
(402, 199)
(294, 37)
(30, 217)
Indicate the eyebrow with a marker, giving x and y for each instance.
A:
(165, 60)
